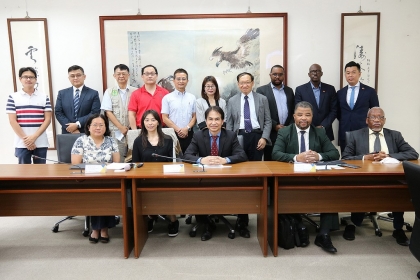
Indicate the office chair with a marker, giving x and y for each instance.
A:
(412, 175)
(374, 216)
(212, 219)
(64, 145)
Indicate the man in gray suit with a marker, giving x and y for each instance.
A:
(376, 143)
(248, 115)
(76, 104)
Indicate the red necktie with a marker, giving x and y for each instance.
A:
(214, 149)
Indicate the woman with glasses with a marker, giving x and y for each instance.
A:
(97, 146)
(210, 96)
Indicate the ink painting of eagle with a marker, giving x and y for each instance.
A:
(237, 59)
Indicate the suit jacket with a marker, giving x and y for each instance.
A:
(233, 116)
(354, 119)
(267, 91)
(89, 104)
(326, 112)
(229, 146)
(358, 145)
(287, 145)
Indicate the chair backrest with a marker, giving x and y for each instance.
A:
(412, 176)
(64, 145)
(133, 134)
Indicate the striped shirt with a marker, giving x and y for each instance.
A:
(29, 110)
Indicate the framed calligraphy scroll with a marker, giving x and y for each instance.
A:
(220, 45)
(28, 39)
(360, 43)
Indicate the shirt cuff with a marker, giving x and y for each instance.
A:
(228, 160)
(294, 158)
(78, 124)
(320, 157)
(199, 160)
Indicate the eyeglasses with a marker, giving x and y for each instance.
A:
(28, 77)
(315, 71)
(149, 74)
(121, 74)
(372, 118)
(244, 83)
(75, 76)
(95, 125)
(209, 87)
(277, 74)
(181, 79)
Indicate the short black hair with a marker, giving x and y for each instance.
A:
(121, 67)
(74, 68)
(216, 109)
(276, 66)
(304, 104)
(180, 70)
(243, 74)
(94, 116)
(24, 69)
(352, 64)
(149, 65)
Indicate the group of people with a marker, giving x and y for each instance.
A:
(271, 123)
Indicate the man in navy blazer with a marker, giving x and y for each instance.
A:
(281, 101)
(88, 103)
(354, 101)
(323, 98)
(302, 142)
(215, 145)
(361, 146)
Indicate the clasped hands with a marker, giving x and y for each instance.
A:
(376, 156)
(72, 128)
(29, 142)
(213, 160)
(308, 156)
(182, 132)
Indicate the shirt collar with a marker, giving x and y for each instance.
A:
(80, 88)
(313, 87)
(299, 130)
(36, 92)
(218, 134)
(356, 85)
(274, 87)
(179, 92)
(373, 132)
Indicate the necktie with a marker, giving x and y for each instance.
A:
(214, 149)
(352, 98)
(247, 116)
(377, 143)
(302, 141)
(76, 103)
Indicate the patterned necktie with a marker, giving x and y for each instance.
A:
(352, 98)
(214, 149)
(377, 143)
(247, 115)
(302, 141)
(76, 103)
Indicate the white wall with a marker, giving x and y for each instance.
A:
(314, 37)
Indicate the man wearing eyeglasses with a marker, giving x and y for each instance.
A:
(77, 103)
(178, 109)
(115, 105)
(148, 97)
(375, 143)
(323, 98)
(281, 101)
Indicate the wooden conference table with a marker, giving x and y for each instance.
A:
(239, 189)
(373, 187)
(52, 190)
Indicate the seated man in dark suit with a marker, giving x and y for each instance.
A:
(302, 142)
(214, 145)
(376, 143)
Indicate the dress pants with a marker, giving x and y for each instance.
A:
(185, 142)
(250, 141)
(357, 219)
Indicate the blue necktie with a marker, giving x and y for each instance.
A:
(247, 115)
(76, 103)
(352, 98)
(302, 141)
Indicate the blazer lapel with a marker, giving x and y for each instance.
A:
(82, 96)
(311, 93)
(365, 141)
(293, 139)
(388, 140)
(206, 143)
(322, 93)
(222, 140)
(312, 139)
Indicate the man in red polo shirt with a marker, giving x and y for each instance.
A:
(148, 97)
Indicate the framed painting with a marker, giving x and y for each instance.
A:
(219, 45)
(28, 40)
(360, 43)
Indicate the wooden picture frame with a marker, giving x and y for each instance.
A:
(194, 42)
(28, 41)
(360, 43)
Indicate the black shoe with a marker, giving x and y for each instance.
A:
(104, 239)
(206, 235)
(349, 232)
(93, 240)
(150, 224)
(173, 228)
(401, 238)
(241, 227)
(324, 241)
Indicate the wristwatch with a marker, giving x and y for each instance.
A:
(189, 128)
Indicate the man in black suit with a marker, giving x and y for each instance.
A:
(214, 145)
(76, 104)
(322, 97)
(281, 101)
(302, 142)
(376, 143)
